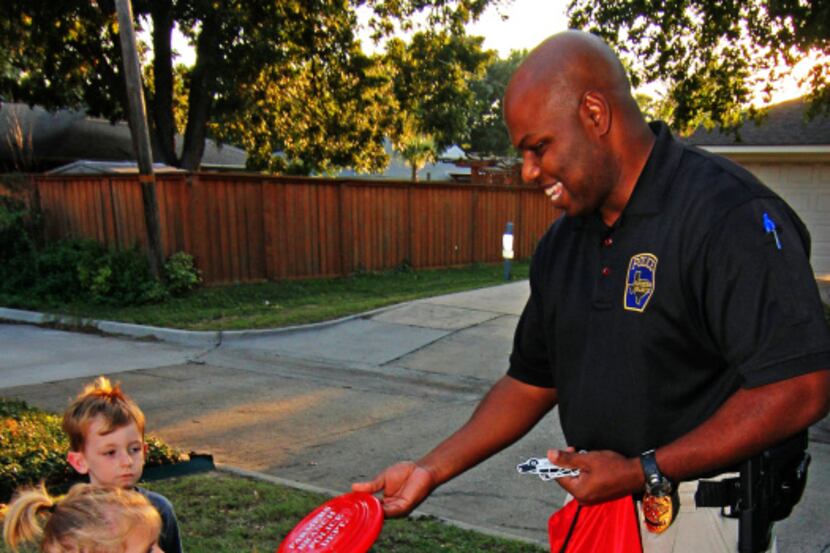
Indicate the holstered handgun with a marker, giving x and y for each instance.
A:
(770, 485)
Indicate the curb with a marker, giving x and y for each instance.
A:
(214, 338)
(418, 513)
(193, 338)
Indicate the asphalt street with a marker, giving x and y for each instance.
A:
(330, 404)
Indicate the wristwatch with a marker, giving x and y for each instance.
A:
(656, 483)
(660, 501)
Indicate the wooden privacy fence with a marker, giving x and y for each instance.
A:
(244, 228)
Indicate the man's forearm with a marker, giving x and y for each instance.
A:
(508, 411)
(749, 422)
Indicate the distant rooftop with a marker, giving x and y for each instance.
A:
(55, 139)
(784, 125)
(90, 167)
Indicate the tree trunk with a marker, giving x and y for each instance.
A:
(414, 172)
(162, 106)
(201, 94)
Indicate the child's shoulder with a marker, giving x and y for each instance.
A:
(161, 503)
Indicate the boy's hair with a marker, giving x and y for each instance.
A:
(88, 518)
(102, 399)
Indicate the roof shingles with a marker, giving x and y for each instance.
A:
(784, 125)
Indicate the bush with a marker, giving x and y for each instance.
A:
(81, 269)
(121, 278)
(33, 448)
(17, 246)
(60, 266)
(180, 274)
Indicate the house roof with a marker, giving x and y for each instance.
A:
(55, 139)
(441, 170)
(89, 167)
(784, 125)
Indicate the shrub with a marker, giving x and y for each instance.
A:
(180, 274)
(63, 267)
(17, 246)
(121, 277)
(81, 269)
(33, 448)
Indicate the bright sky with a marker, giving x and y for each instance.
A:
(528, 23)
(525, 24)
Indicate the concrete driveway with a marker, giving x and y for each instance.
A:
(330, 404)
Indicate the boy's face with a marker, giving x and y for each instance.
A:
(112, 459)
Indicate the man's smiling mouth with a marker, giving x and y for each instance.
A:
(554, 191)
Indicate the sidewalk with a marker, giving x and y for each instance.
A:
(329, 404)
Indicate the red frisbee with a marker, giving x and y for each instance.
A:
(349, 523)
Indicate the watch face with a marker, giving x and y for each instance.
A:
(657, 485)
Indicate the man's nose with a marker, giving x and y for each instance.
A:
(125, 458)
(530, 169)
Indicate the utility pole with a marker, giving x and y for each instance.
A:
(140, 133)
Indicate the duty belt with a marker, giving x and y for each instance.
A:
(719, 493)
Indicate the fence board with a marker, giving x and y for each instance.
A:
(243, 228)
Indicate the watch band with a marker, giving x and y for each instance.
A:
(654, 478)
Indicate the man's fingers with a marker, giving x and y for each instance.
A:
(560, 457)
(372, 486)
(394, 507)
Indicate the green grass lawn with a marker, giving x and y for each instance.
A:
(276, 304)
(217, 512)
(224, 513)
(220, 512)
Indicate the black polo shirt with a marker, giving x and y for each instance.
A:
(647, 327)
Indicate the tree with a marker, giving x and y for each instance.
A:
(18, 136)
(66, 54)
(712, 54)
(488, 133)
(431, 78)
(417, 150)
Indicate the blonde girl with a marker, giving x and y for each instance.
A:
(89, 519)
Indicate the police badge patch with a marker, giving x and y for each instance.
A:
(639, 286)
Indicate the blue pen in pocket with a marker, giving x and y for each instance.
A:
(769, 227)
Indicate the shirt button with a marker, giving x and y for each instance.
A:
(608, 241)
(606, 271)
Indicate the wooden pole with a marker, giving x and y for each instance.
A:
(140, 133)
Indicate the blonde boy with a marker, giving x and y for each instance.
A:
(106, 442)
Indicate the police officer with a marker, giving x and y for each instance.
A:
(673, 315)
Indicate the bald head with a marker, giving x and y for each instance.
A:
(567, 65)
(570, 112)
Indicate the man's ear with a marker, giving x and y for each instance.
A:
(78, 462)
(596, 112)
(146, 448)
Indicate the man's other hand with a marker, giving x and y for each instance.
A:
(603, 475)
(405, 485)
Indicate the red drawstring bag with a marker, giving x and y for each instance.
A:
(609, 527)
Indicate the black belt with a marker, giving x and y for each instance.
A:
(718, 493)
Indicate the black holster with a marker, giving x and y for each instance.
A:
(769, 486)
(772, 483)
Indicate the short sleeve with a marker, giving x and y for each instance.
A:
(530, 359)
(759, 296)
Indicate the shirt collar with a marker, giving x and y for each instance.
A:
(649, 192)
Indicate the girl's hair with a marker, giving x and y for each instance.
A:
(102, 399)
(88, 519)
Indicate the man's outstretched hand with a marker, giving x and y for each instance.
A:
(405, 485)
